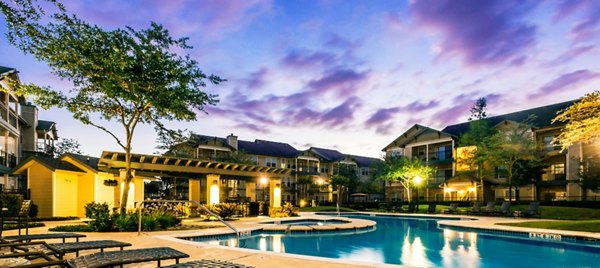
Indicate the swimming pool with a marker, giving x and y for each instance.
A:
(419, 242)
(308, 222)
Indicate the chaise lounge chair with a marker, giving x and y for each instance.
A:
(489, 208)
(504, 209)
(60, 249)
(532, 211)
(476, 209)
(119, 258)
(29, 238)
(411, 208)
(431, 208)
(207, 263)
(452, 209)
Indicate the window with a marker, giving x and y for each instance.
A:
(283, 164)
(442, 175)
(324, 169)
(271, 162)
(443, 152)
(558, 168)
(548, 144)
(364, 171)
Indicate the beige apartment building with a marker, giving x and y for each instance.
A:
(439, 148)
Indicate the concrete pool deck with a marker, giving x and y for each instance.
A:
(258, 258)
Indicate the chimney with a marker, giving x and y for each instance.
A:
(232, 141)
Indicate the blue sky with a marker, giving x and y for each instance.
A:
(353, 75)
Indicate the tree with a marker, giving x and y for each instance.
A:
(589, 176)
(304, 182)
(340, 183)
(582, 121)
(479, 135)
(512, 147)
(125, 75)
(404, 170)
(66, 145)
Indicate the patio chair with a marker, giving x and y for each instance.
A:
(489, 208)
(452, 209)
(207, 263)
(411, 208)
(504, 209)
(60, 249)
(532, 211)
(119, 258)
(29, 238)
(431, 208)
(21, 219)
(476, 209)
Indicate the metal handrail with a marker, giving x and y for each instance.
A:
(141, 205)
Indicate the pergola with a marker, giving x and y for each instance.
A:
(143, 165)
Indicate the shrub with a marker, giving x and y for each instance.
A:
(225, 210)
(264, 208)
(99, 215)
(151, 221)
(15, 226)
(71, 228)
(12, 202)
(33, 210)
(287, 210)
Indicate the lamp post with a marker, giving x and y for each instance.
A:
(263, 182)
(417, 181)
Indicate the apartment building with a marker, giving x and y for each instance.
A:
(21, 133)
(559, 180)
(315, 164)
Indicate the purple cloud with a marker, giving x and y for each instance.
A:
(341, 114)
(381, 116)
(257, 80)
(571, 54)
(341, 81)
(252, 127)
(416, 107)
(305, 59)
(564, 82)
(479, 32)
(588, 14)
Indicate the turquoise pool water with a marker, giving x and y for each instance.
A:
(419, 242)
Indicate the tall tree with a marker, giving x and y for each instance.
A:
(479, 136)
(404, 170)
(511, 147)
(589, 176)
(582, 121)
(66, 145)
(125, 75)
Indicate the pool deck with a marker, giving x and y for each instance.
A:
(258, 258)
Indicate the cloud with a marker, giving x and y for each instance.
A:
(564, 82)
(479, 32)
(587, 13)
(258, 79)
(383, 121)
(340, 81)
(252, 127)
(302, 59)
(571, 54)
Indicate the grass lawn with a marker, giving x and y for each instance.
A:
(584, 225)
(325, 209)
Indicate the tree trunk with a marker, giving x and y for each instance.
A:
(128, 177)
(480, 173)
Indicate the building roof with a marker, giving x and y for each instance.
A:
(270, 148)
(411, 134)
(91, 162)
(543, 119)
(49, 162)
(364, 161)
(6, 70)
(49, 126)
(329, 155)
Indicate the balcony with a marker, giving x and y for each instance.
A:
(312, 170)
(440, 157)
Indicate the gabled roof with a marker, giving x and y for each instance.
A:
(268, 148)
(329, 155)
(49, 162)
(48, 126)
(364, 161)
(411, 134)
(544, 116)
(6, 70)
(89, 161)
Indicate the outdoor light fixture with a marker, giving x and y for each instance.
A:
(320, 181)
(447, 190)
(417, 179)
(263, 180)
(472, 189)
(214, 192)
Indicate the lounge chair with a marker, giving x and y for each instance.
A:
(476, 209)
(411, 208)
(119, 258)
(431, 208)
(29, 238)
(532, 211)
(489, 208)
(60, 249)
(452, 209)
(207, 263)
(504, 209)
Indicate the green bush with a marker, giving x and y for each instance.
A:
(71, 228)
(100, 218)
(287, 210)
(264, 208)
(253, 208)
(225, 210)
(15, 226)
(152, 221)
(33, 210)
(12, 202)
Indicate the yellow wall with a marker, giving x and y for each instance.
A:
(39, 181)
(103, 193)
(66, 194)
(85, 192)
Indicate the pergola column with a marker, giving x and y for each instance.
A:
(213, 186)
(194, 190)
(275, 193)
(251, 191)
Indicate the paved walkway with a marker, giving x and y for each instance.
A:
(260, 258)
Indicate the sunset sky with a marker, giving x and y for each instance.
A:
(352, 75)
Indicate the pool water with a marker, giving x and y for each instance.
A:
(419, 242)
(308, 222)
